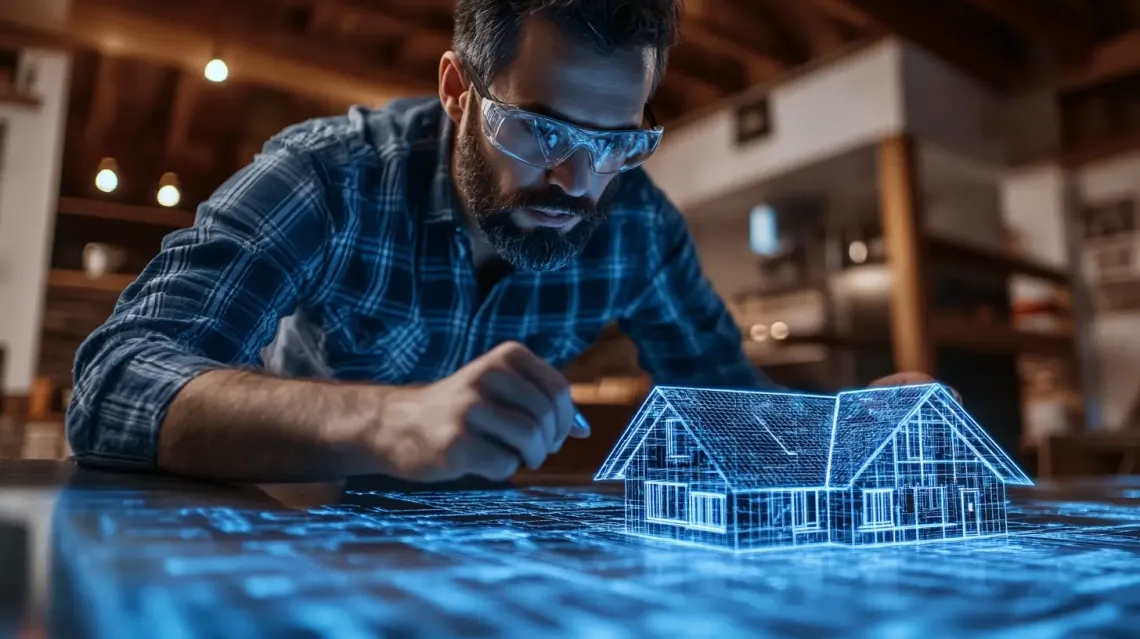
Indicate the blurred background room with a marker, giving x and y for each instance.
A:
(873, 185)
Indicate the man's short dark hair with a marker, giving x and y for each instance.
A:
(487, 31)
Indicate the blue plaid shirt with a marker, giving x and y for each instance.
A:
(339, 253)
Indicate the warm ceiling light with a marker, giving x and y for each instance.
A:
(217, 71)
(168, 191)
(107, 177)
(779, 330)
(758, 332)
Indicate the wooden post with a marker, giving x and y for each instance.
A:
(901, 207)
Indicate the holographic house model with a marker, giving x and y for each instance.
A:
(759, 470)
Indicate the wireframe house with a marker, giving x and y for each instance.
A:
(757, 470)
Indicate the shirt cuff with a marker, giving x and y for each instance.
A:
(118, 407)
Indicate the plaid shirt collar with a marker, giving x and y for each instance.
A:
(441, 203)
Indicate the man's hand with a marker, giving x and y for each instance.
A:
(908, 378)
(506, 409)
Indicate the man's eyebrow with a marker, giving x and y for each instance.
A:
(542, 109)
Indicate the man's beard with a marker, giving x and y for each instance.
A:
(540, 249)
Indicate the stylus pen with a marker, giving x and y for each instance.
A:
(581, 423)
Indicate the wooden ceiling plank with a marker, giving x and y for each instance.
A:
(953, 42)
(107, 92)
(821, 32)
(761, 66)
(840, 10)
(1109, 61)
(288, 63)
(368, 18)
(1068, 35)
(180, 145)
(726, 74)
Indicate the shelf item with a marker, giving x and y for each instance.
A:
(78, 280)
(10, 95)
(157, 216)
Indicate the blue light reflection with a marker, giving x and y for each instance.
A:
(556, 562)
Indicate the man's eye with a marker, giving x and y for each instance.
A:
(549, 134)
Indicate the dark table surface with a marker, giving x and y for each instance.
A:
(85, 553)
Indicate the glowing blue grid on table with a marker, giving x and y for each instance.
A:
(556, 562)
(746, 470)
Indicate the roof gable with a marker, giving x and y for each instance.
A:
(631, 440)
(864, 422)
(756, 439)
(979, 440)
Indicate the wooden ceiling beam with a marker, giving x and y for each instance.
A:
(725, 74)
(929, 26)
(821, 32)
(292, 64)
(840, 10)
(1109, 61)
(761, 66)
(363, 19)
(1068, 35)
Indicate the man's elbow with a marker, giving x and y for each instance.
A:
(107, 419)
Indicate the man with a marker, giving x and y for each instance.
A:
(438, 258)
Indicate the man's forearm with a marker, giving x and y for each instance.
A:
(241, 426)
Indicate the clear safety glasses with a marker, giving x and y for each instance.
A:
(545, 142)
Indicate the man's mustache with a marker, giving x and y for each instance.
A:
(553, 201)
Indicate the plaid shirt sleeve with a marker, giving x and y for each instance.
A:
(211, 298)
(684, 334)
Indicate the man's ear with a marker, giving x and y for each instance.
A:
(453, 87)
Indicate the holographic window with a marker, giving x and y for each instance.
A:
(665, 502)
(877, 507)
(706, 511)
(807, 509)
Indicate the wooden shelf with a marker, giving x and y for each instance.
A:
(81, 207)
(78, 280)
(1118, 144)
(966, 256)
(996, 337)
(963, 332)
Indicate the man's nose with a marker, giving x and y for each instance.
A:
(573, 175)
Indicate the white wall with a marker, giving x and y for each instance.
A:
(842, 106)
(1117, 334)
(949, 109)
(962, 196)
(29, 191)
(1033, 207)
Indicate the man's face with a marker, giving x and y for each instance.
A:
(539, 219)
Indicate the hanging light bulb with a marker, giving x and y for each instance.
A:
(217, 70)
(169, 193)
(107, 176)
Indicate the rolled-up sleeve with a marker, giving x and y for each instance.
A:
(210, 299)
(684, 334)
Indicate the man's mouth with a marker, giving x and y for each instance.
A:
(553, 218)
